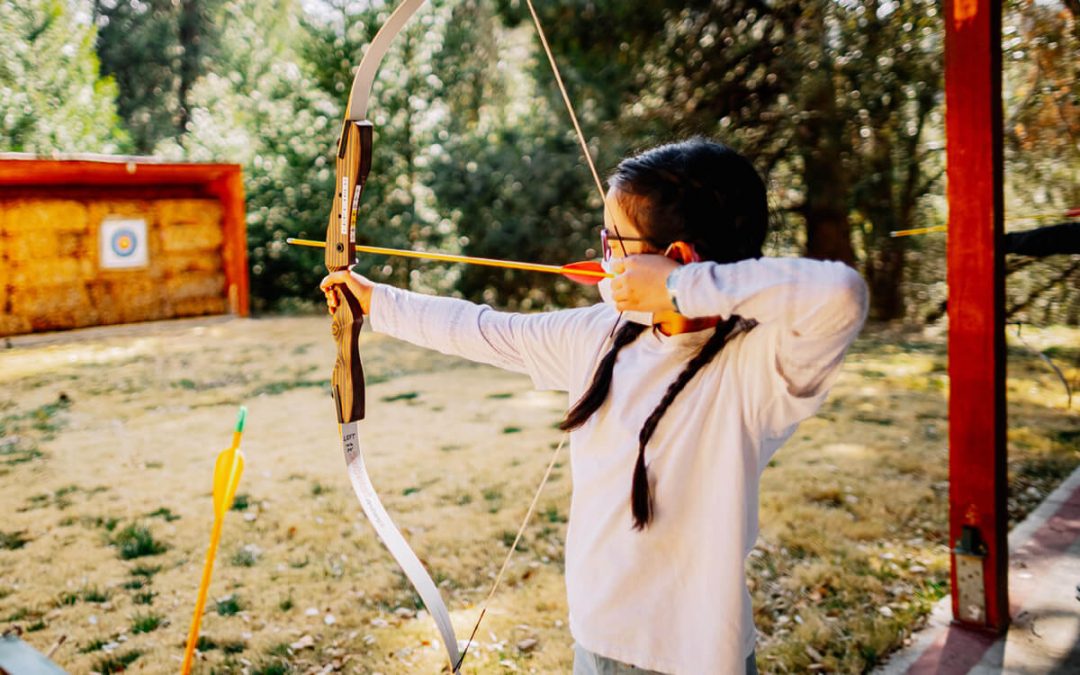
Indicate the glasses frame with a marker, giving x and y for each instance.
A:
(606, 239)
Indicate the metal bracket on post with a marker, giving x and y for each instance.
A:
(970, 554)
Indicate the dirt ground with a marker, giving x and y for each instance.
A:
(107, 443)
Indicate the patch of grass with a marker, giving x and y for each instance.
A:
(67, 599)
(233, 646)
(280, 649)
(228, 606)
(286, 604)
(511, 430)
(206, 644)
(318, 489)
(240, 502)
(144, 598)
(136, 541)
(451, 448)
(36, 626)
(146, 623)
(133, 584)
(165, 513)
(116, 662)
(407, 396)
(20, 434)
(272, 667)
(409, 491)
(282, 386)
(500, 396)
(94, 645)
(507, 538)
(245, 556)
(95, 595)
(145, 571)
(13, 541)
(552, 515)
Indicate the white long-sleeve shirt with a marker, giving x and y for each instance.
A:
(672, 597)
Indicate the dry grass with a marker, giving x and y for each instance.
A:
(107, 440)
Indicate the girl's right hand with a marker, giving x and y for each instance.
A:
(360, 286)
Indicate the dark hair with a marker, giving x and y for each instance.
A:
(708, 195)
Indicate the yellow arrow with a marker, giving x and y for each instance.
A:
(227, 470)
(583, 272)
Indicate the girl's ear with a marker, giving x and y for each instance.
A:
(682, 252)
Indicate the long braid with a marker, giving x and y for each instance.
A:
(597, 392)
(641, 499)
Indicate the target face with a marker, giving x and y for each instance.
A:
(123, 243)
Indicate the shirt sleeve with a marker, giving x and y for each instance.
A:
(808, 313)
(543, 345)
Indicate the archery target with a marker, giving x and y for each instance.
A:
(123, 243)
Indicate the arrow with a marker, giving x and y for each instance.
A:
(584, 272)
(227, 470)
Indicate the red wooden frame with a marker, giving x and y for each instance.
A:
(130, 175)
(977, 444)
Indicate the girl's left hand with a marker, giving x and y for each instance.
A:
(640, 284)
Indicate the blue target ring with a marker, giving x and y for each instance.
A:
(124, 242)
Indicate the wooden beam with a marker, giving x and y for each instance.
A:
(977, 445)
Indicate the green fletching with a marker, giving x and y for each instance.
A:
(240, 419)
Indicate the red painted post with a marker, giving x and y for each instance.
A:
(977, 447)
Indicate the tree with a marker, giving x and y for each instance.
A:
(52, 97)
(156, 50)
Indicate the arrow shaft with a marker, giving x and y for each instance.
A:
(467, 259)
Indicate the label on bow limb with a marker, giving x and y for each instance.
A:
(394, 541)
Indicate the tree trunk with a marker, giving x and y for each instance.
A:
(828, 229)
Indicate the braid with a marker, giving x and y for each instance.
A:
(597, 392)
(641, 500)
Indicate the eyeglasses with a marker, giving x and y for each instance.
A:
(606, 239)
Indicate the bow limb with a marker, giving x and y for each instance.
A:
(352, 166)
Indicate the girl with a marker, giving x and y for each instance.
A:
(718, 354)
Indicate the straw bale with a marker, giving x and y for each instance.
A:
(14, 325)
(186, 211)
(203, 261)
(185, 237)
(195, 285)
(45, 272)
(49, 215)
(200, 306)
(55, 303)
(32, 244)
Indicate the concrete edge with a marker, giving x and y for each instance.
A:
(941, 615)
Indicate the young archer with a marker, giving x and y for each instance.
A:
(718, 355)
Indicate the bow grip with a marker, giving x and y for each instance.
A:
(353, 164)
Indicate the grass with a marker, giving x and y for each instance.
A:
(144, 598)
(95, 595)
(245, 556)
(22, 433)
(136, 541)
(145, 571)
(407, 396)
(116, 662)
(241, 502)
(228, 606)
(13, 541)
(166, 514)
(146, 623)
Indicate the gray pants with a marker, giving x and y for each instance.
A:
(587, 663)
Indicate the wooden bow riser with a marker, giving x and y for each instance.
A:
(352, 167)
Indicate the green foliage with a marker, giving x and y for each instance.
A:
(136, 541)
(228, 606)
(52, 97)
(146, 623)
(116, 662)
(155, 50)
(12, 541)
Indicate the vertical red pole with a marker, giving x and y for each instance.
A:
(229, 188)
(977, 448)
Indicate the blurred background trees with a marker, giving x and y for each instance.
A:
(838, 102)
